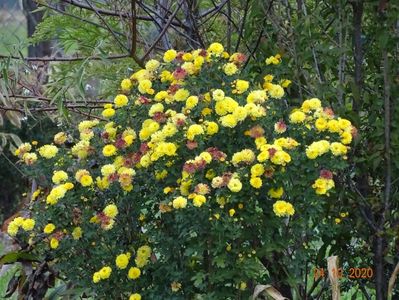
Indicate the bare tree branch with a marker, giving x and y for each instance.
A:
(42, 109)
(111, 13)
(229, 32)
(72, 15)
(77, 58)
(243, 24)
(216, 9)
(134, 34)
(162, 32)
(49, 100)
(108, 27)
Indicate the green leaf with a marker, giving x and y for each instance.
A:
(17, 256)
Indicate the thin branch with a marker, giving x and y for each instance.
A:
(364, 200)
(162, 32)
(358, 52)
(5, 156)
(87, 115)
(149, 10)
(341, 65)
(314, 285)
(234, 25)
(42, 109)
(316, 62)
(260, 34)
(134, 34)
(229, 30)
(110, 13)
(49, 100)
(364, 291)
(387, 138)
(72, 15)
(182, 25)
(134, 29)
(191, 17)
(77, 58)
(106, 25)
(243, 24)
(216, 9)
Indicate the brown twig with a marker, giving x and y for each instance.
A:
(243, 24)
(216, 9)
(134, 29)
(149, 10)
(106, 25)
(49, 100)
(42, 109)
(134, 35)
(72, 15)
(232, 23)
(228, 26)
(87, 115)
(77, 58)
(110, 13)
(162, 32)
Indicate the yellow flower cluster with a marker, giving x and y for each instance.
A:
(275, 60)
(323, 185)
(111, 211)
(84, 177)
(245, 156)
(48, 151)
(102, 274)
(23, 152)
(142, 255)
(58, 192)
(179, 202)
(19, 222)
(134, 273)
(49, 228)
(283, 209)
(135, 296)
(60, 138)
(122, 260)
(200, 145)
(59, 176)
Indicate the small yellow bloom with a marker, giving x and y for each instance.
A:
(175, 286)
(169, 55)
(105, 272)
(282, 208)
(126, 84)
(111, 210)
(256, 182)
(49, 228)
(28, 224)
(77, 233)
(135, 297)
(179, 202)
(134, 273)
(109, 150)
(121, 100)
(86, 180)
(54, 243)
(122, 261)
(96, 277)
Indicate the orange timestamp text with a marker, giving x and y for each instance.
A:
(352, 273)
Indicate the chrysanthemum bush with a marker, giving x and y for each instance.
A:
(193, 186)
